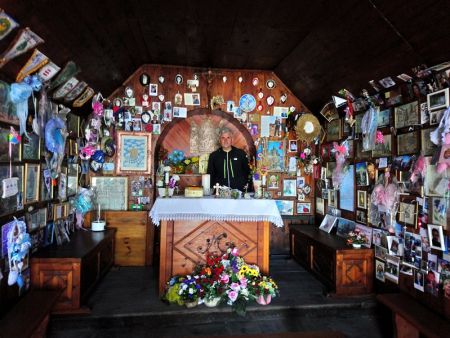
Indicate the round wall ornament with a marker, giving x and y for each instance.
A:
(307, 128)
(255, 81)
(247, 103)
(178, 79)
(270, 84)
(270, 100)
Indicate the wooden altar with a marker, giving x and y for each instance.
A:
(192, 227)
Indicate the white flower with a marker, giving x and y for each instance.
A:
(191, 291)
(167, 168)
(176, 178)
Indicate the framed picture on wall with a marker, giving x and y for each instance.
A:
(285, 207)
(408, 143)
(31, 147)
(406, 115)
(134, 150)
(436, 116)
(438, 99)
(289, 187)
(332, 198)
(334, 130)
(328, 223)
(73, 125)
(32, 173)
(384, 118)
(320, 206)
(303, 208)
(362, 199)
(427, 147)
(383, 149)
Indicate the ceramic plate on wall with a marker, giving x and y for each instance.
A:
(247, 103)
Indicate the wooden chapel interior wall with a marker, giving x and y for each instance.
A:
(175, 134)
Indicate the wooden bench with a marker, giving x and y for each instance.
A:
(413, 320)
(29, 317)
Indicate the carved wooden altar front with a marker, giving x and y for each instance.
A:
(184, 244)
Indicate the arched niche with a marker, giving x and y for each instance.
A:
(176, 134)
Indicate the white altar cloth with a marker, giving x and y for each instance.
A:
(215, 209)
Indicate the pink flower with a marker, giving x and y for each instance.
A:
(235, 252)
(232, 295)
(235, 286)
(379, 138)
(225, 278)
(302, 156)
(243, 282)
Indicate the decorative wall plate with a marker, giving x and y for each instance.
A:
(129, 92)
(255, 81)
(247, 103)
(259, 107)
(178, 79)
(307, 128)
(144, 79)
(260, 93)
(270, 100)
(161, 97)
(145, 117)
(270, 84)
(161, 79)
(283, 98)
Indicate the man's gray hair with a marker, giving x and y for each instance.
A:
(225, 130)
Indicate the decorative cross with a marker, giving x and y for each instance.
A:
(216, 188)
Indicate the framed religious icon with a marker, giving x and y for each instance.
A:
(334, 130)
(62, 185)
(406, 115)
(438, 99)
(361, 199)
(289, 187)
(273, 181)
(436, 116)
(332, 198)
(134, 153)
(320, 206)
(384, 118)
(439, 211)
(46, 187)
(408, 143)
(72, 179)
(383, 149)
(16, 149)
(407, 213)
(32, 173)
(31, 147)
(427, 147)
(58, 211)
(330, 168)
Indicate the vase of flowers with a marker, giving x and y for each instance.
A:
(356, 238)
(264, 299)
(190, 290)
(264, 288)
(212, 302)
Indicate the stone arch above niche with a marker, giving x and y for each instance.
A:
(177, 134)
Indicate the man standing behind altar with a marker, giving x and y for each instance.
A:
(228, 165)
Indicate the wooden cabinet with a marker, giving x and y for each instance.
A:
(74, 267)
(343, 269)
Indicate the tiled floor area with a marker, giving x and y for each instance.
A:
(126, 304)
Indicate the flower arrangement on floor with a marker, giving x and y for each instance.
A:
(357, 238)
(223, 278)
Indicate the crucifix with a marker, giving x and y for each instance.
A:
(216, 188)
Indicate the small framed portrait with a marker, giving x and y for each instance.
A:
(328, 223)
(439, 211)
(362, 178)
(32, 179)
(156, 129)
(191, 99)
(384, 118)
(438, 99)
(379, 270)
(383, 149)
(303, 208)
(153, 89)
(361, 216)
(156, 107)
(334, 130)
(293, 146)
(31, 147)
(62, 186)
(180, 112)
(436, 237)
(137, 124)
(406, 115)
(289, 187)
(436, 116)
(332, 198)
(407, 213)
(320, 206)
(167, 105)
(230, 106)
(273, 181)
(325, 152)
(285, 207)
(323, 173)
(58, 211)
(408, 143)
(362, 199)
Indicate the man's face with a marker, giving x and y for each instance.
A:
(225, 141)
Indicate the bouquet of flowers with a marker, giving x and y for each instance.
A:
(190, 289)
(357, 237)
(264, 288)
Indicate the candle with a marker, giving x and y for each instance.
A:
(98, 213)
(263, 180)
(166, 177)
(206, 183)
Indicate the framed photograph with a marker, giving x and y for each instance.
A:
(16, 149)
(358, 120)
(273, 181)
(436, 237)
(436, 116)
(73, 125)
(407, 213)
(300, 182)
(383, 149)
(334, 130)
(31, 147)
(408, 143)
(330, 168)
(112, 192)
(361, 217)
(289, 187)
(344, 226)
(380, 251)
(72, 179)
(379, 270)
(293, 146)
(438, 100)
(153, 89)
(428, 148)
(362, 179)
(406, 115)
(328, 223)
(360, 154)
(329, 112)
(384, 118)
(320, 206)
(62, 186)
(180, 112)
(367, 231)
(32, 173)
(332, 198)
(362, 199)
(323, 173)
(191, 99)
(275, 155)
(134, 153)
(303, 208)
(285, 207)
(58, 211)
(42, 218)
(46, 187)
(439, 209)
(325, 152)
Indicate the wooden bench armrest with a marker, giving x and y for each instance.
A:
(425, 321)
(27, 315)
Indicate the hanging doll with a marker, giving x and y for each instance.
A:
(338, 173)
(369, 125)
(18, 244)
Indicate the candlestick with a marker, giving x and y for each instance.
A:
(206, 184)
(166, 177)
(98, 212)
(263, 180)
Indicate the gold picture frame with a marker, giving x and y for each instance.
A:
(133, 153)
(32, 180)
